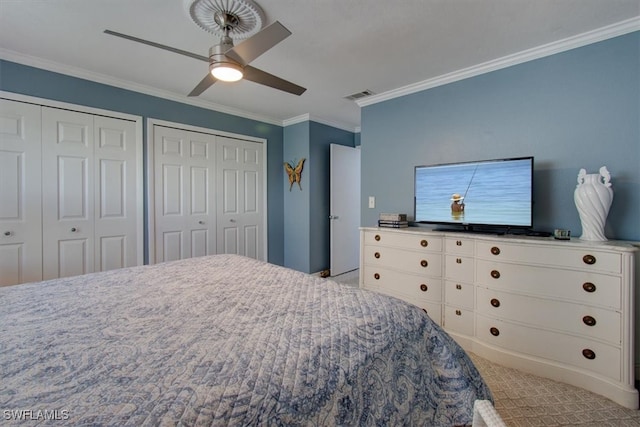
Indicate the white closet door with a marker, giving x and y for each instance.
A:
(115, 193)
(185, 223)
(240, 197)
(68, 193)
(20, 189)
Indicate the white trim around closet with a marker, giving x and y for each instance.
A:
(150, 123)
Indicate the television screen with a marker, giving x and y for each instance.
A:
(491, 193)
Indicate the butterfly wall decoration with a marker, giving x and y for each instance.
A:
(294, 172)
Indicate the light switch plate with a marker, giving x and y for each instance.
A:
(372, 202)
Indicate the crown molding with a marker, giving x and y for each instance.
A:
(590, 37)
(310, 118)
(55, 67)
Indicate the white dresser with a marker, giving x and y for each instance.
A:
(560, 309)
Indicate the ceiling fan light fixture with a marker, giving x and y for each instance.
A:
(226, 71)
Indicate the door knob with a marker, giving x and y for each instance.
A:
(232, 220)
(8, 233)
(74, 229)
(201, 222)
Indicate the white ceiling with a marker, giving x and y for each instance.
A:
(338, 47)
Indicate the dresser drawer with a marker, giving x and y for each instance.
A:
(426, 263)
(411, 241)
(582, 287)
(458, 320)
(462, 246)
(580, 352)
(459, 294)
(549, 314)
(458, 268)
(547, 255)
(414, 287)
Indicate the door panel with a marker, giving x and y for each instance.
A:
(184, 194)
(68, 193)
(113, 252)
(20, 189)
(345, 208)
(115, 193)
(240, 216)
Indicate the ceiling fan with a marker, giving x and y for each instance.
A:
(226, 61)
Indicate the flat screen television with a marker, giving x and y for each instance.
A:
(481, 195)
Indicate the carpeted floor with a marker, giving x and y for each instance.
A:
(523, 399)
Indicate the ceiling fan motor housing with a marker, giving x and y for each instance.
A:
(217, 54)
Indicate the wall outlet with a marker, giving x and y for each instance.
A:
(372, 202)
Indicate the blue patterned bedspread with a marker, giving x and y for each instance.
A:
(225, 340)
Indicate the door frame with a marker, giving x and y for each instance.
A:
(150, 123)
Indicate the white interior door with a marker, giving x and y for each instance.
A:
(20, 190)
(115, 193)
(184, 164)
(240, 197)
(345, 208)
(67, 193)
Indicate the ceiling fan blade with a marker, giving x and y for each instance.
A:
(158, 45)
(264, 78)
(203, 85)
(259, 43)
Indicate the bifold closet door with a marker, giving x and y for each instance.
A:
(67, 193)
(240, 197)
(116, 198)
(89, 193)
(185, 220)
(20, 189)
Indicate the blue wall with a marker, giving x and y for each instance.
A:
(307, 227)
(297, 202)
(577, 109)
(321, 138)
(31, 81)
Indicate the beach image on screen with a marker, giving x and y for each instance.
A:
(493, 193)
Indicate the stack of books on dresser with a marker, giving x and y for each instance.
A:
(393, 220)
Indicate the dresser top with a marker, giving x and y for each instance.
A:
(619, 245)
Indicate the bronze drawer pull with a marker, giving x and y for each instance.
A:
(458, 243)
(423, 287)
(589, 354)
(495, 274)
(589, 259)
(424, 263)
(377, 237)
(458, 313)
(589, 320)
(424, 243)
(495, 250)
(494, 331)
(376, 276)
(589, 287)
(495, 302)
(458, 260)
(458, 286)
(377, 255)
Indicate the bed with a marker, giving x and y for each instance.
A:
(225, 340)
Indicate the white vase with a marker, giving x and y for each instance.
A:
(593, 197)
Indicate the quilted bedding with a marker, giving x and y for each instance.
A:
(225, 340)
